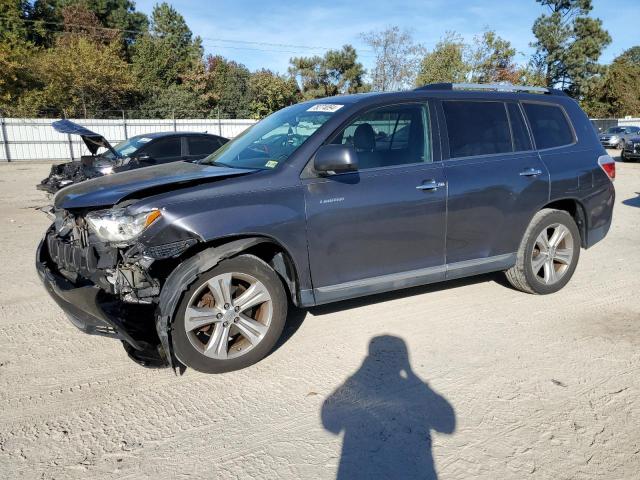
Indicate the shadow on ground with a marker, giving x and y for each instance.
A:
(633, 202)
(387, 414)
(296, 315)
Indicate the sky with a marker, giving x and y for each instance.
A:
(265, 34)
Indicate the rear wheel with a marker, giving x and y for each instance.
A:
(231, 317)
(623, 157)
(548, 254)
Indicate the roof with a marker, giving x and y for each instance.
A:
(168, 134)
(448, 90)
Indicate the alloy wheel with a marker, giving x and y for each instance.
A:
(228, 315)
(552, 254)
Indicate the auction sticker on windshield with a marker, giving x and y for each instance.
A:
(271, 164)
(325, 107)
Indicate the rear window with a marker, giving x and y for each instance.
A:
(549, 125)
(477, 128)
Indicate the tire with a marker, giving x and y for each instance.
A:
(622, 157)
(529, 274)
(217, 337)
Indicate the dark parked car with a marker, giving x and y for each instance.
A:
(135, 152)
(195, 263)
(631, 149)
(615, 137)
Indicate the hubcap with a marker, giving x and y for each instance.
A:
(228, 315)
(552, 254)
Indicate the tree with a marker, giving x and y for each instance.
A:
(617, 92)
(631, 55)
(491, 59)
(568, 45)
(15, 53)
(177, 101)
(446, 63)
(336, 73)
(116, 14)
(222, 85)
(270, 92)
(79, 75)
(167, 51)
(397, 58)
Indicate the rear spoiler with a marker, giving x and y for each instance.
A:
(92, 140)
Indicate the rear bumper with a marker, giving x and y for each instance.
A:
(599, 208)
(84, 305)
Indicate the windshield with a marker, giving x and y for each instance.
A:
(615, 130)
(127, 147)
(272, 141)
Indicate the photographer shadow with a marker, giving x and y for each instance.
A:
(386, 413)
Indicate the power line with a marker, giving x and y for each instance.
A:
(211, 39)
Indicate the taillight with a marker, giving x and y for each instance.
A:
(608, 164)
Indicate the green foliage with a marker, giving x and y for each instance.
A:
(270, 92)
(492, 59)
(568, 45)
(617, 92)
(118, 14)
(16, 52)
(77, 77)
(446, 63)
(177, 101)
(76, 57)
(167, 52)
(337, 72)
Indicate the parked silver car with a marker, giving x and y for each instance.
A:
(614, 137)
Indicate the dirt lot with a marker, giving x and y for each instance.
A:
(497, 384)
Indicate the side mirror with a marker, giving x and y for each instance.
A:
(331, 159)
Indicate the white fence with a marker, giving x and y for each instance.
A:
(24, 139)
(34, 139)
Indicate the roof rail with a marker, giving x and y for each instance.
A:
(498, 87)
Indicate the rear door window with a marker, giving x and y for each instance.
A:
(521, 139)
(202, 146)
(165, 149)
(477, 128)
(549, 125)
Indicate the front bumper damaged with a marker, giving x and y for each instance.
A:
(96, 311)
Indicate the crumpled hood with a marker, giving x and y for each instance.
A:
(110, 189)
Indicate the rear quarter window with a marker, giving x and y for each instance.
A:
(549, 125)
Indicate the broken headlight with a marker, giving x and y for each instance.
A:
(118, 226)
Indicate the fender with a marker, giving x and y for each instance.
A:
(179, 281)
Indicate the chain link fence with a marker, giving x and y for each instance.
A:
(23, 139)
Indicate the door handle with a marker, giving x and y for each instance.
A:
(531, 172)
(430, 185)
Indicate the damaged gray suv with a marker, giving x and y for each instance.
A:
(197, 264)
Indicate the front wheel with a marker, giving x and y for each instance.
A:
(548, 254)
(230, 317)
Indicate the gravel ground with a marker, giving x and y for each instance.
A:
(469, 379)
